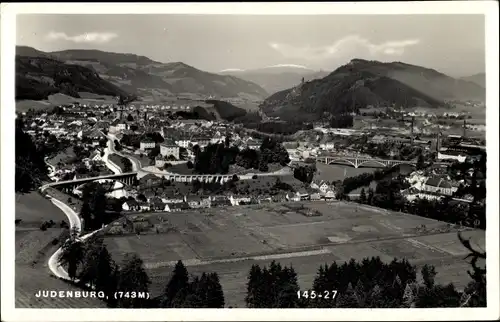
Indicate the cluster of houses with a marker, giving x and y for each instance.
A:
(146, 197)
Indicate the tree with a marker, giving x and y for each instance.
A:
(178, 282)
(154, 152)
(304, 173)
(94, 205)
(127, 164)
(273, 287)
(30, 160)
(252, 298)
(408, 296)
(428, 275)
(130, 118)
(141, 197)
(362, 196)
(189, 165)
(375, 298)
(420, 162)
(72, 255)
(118, 146)
(438, 296)
(348, 298)
(205, 292)
(369, 199)
(476, 289)
(98, 268)
(132, 278)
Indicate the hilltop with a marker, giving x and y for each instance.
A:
(150, 79)
(39, 77)
(362, 83)
(479, 79)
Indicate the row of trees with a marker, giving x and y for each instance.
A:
(370, 283)
(217, 158)
(341, 121)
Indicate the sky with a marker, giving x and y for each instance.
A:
(453, 44)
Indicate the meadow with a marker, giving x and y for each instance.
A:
(228, 241)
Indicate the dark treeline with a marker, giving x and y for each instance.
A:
(31, 169)
(216, 158)
(341, 121)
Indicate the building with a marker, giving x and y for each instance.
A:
(183, 142)
(170, 149)
(439, 186)
(327, 146)
(253, 144)
(452, 155)
(130, 205)
(147, 144)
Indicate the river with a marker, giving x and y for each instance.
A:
(334, 172)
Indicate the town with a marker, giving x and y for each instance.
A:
(149, 184)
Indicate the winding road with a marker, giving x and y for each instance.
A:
(73, 218)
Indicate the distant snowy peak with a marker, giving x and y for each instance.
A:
(232, 70)
(280, 68)
(288, 66)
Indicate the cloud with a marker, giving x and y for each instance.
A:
(353, 46)
(90, 37)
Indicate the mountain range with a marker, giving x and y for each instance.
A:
(479, 79)
(362, 83)
(276, 78)
(299, 92)
(115, 73)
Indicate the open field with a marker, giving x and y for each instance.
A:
(33, 208)
(61, 99)
(32, 244)
(228, 241)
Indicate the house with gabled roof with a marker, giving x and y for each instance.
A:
(438, 185)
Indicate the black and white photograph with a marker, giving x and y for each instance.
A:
(250, 160)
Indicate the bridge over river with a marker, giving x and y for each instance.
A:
(358, 161)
